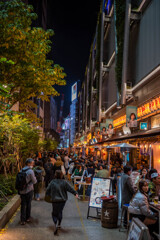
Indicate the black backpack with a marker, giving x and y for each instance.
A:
(48, 168)
(38, 174)
(21, 183)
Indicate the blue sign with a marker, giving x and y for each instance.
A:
(143, 126)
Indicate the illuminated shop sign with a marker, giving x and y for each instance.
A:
(119, 121)
(149, 107)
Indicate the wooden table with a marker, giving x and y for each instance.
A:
(157, 209)
(84, 184)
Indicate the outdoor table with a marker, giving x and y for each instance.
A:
(84, 184)
(156, 207)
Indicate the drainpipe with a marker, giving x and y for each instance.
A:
(91, 94)
(116, 48)
(125, 51)
(101, 64)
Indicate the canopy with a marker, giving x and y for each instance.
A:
(123, 145)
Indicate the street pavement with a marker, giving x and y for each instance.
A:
(75, 225)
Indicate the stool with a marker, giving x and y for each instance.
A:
(124, 209)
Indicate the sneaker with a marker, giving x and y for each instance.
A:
(55, 229)
(28, 220)
(38, 199)
(23, 223)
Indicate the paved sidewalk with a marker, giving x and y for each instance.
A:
(75, 225)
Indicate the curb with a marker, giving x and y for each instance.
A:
(8, 211)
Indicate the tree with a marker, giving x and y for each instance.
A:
(24, 50)
(18, 140)
(49, 145)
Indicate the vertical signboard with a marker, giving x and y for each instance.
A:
(74, 92)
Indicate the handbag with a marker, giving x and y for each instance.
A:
(48, 199)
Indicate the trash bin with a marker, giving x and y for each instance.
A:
(109, 216)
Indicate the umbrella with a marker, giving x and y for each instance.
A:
(124, 145)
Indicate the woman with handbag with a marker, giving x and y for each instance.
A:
(57, 190)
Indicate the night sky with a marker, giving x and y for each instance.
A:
(74, 24)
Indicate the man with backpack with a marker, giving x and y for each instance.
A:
(24, 184)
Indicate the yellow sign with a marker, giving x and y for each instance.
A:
(119, 121)
(149, 107)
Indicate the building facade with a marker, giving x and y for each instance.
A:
(123, 77)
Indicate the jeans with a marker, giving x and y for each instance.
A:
(26, 200)
(37, 195)
(57, 211)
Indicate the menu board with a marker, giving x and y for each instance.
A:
(100, 187)
(138, 231)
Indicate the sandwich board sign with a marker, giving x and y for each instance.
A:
(138, 231)
(100, 187)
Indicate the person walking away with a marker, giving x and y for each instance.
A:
(39, 174)
(59, 165)
(127, 189)
(66, 163)
(49, 170)
(57, 190)
(139, 207)
(24, 184)
(103, 172)
(53, 160)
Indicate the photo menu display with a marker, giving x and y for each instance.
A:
(100, 187)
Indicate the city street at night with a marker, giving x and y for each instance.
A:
(80, 120)
(74, 226)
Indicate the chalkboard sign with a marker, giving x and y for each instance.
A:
(100, 187)
(138, 231)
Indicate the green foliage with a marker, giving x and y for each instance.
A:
(48, 144)
(7, 186)
(18, 140)
(23, 52)
(120, 22)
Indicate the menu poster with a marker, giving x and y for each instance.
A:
(138, 231)
(100, 187)
(134, 232)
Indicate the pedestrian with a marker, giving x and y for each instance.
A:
(49, 170)
(26, 191)
(127, 189)
(39, 174)
(66, 162)
(57, 190)
(59, 165)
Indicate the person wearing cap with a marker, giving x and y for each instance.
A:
(27, 194)
(152, 186)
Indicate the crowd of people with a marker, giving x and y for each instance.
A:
(50, 171)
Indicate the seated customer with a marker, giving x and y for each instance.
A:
(78, 171)
(139, 206)
(103, 172)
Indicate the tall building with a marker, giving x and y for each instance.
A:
(122, 81)
(73, 113)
